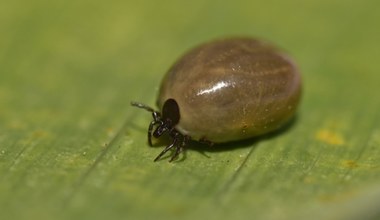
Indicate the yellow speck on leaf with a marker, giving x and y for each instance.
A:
(309, 180)
(329, 137)
(39, 133)
(110, 131)
(349, 164)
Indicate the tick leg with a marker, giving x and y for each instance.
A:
(143, 106)
(174, 143)
(150, 131)
(204, 140)
(156, 116)
(180, 148)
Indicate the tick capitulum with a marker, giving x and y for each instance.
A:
(165, 123)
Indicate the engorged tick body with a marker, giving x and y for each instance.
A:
(225, 90)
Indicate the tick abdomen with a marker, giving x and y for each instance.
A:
(232, 89)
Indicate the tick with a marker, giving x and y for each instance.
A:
(222, 91)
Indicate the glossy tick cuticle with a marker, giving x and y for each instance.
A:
(222, 91)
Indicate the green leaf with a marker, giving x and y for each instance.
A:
(72, 147)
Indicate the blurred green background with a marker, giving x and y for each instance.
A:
(71, 147)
